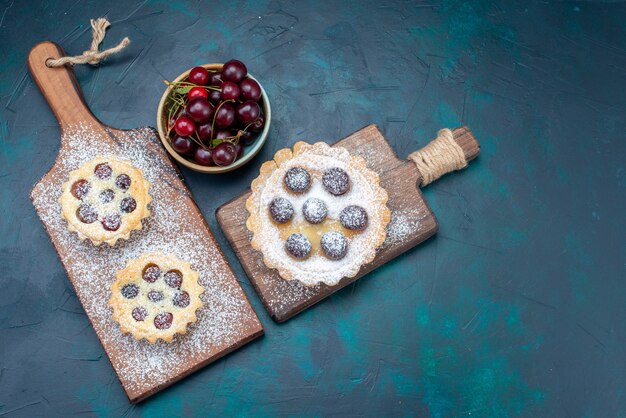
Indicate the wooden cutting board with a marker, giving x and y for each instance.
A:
(176, 225)
(412, 222)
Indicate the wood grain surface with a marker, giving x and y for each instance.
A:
(412, 222)
(62, 92)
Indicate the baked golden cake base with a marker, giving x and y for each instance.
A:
(155, 297)
(303, 200)
(105, 199)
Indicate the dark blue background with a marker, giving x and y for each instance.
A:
(516, 307)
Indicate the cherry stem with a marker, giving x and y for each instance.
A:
(174, 107)
(215, 116)
(181, 83)
(197, 141)
(232, 139)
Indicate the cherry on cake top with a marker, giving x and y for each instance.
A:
(334, 245)
(298, 245)
(281, 210)
(314, 210)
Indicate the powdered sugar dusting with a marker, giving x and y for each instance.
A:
(142, 366)
(284, 295)
(403, 225)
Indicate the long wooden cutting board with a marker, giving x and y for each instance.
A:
(176, 226)
(412, 222)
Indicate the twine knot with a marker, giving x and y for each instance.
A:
(442, 155)
(92, 56)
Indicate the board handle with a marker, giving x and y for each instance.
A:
(452, 150)
(59, 86)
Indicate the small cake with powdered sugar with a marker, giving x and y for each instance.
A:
(155, 296)
(317, 213)
(105, 200)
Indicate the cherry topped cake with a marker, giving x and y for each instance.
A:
(317, 213)
(105, 199)
(155, 297)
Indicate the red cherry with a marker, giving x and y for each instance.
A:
(215, 96)
(239, 149)
(224, 154)
(234, 71)
(111, 222)
(182, 144)
(247, 138)
(163, 320)
(215, 79)
(151, 273)
(181, 299)
(184, 126)
(173, 278)
(199, 76)
(81, 187)
(225, 115)
(204, 132)
(103, 171)
(198, 92)
(224, 133)
(230, 91)
(257, 125)
(140, 313)
(248, 112)
(250, 89)
(203, 156)
(200, 109)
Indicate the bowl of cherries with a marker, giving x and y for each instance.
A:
(214, 118)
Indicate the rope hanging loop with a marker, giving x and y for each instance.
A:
(92, 56)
